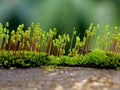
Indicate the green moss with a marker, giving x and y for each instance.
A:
(97, 58)
(35, 48)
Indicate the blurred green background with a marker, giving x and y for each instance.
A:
(62, 14)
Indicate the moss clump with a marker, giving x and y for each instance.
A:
(35, 48)
(96, 58)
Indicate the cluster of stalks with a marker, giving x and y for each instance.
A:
(34, 39)
(108, 40)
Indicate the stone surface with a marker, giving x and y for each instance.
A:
(69, 78)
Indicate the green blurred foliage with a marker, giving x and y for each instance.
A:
(62, 14)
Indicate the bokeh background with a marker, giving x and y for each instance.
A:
(62, 14)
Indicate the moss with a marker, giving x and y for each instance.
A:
(97, 57)
(35, 48)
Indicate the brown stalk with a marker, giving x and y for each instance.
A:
(49, 45)
(87, 45)
(9, 44)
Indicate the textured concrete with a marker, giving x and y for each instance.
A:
(69, 78)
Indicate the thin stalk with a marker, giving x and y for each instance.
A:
(74, 32)
(49, 45)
